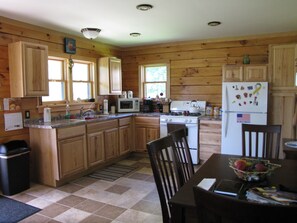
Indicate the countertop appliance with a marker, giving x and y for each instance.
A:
(180, 116)
(148, 105)
(128, 104)
(243, 102)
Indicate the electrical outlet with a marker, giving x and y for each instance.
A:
(27, 114)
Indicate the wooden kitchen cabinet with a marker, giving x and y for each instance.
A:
(103, 141)
(28, 69)
(282, 111)
(283, 66)
(146, 130)
(125, 135)
(58, 154)
(72, 151)
(209, 138)
(95, 146)
(110, 76)
(247, 73)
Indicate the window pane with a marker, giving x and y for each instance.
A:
(81, 90)
(55, 69)
(155, 74)
(151, 90)
(56, 92)
(80, 72)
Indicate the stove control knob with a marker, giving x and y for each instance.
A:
(190, 120)
(170, 120)
(186, 120)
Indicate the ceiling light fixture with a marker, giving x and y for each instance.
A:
(144, 7)
(135, 34)
(90, 33)
(214, 23)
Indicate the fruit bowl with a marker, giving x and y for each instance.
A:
(249, 169)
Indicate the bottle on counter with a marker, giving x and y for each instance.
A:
(216, 111)
(105, 107)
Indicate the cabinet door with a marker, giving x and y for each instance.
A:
(110, 76)
(125, 137)
(152, 134)
(282, 65)
(140, 139)
(232, 73)
(115, 76)
(255, 73)
(71, 154)
(111, 143)
(36, 70)
(282, 108)
(28, 68)
(209, 138)
(95, 148)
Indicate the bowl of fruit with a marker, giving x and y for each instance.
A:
(249, 169)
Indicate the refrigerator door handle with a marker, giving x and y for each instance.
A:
(226, 123)
(227, 99)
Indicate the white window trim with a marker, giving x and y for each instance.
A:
(68, 79)
(141, 77)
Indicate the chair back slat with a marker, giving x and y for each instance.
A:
(183, 154)
(266, 137)
(164, 167)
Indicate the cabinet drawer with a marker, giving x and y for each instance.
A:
(147, 121)
(124, 121)
(68, 132)
(99, 126)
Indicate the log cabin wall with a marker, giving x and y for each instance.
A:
(196, 66)
(13, 31)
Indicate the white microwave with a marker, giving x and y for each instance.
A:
(128, 105)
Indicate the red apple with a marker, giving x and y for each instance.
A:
(240, 164)
(260, 167)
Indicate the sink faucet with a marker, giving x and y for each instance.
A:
(81, 111)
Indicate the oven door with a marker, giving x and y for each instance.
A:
(192, 136)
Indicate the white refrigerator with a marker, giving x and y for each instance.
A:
(242, 102)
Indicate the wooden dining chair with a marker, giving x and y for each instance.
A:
(183, 154)
(165, 172)
(261, 141)
(212, 207)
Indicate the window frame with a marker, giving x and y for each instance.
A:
(68, 82)
(142, 75)
(91, 79)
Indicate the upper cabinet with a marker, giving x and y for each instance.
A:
(110, 76)
(251, 72)
(283, 66)
(28, 69)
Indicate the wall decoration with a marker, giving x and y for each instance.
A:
(70, 45)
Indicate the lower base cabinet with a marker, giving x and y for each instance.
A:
(125, 135)
(146, 130)
(58, 154)
(209, 138)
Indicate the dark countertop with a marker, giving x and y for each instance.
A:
(72, 122)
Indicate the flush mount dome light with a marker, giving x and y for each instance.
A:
(214, 23)
(144, 7)
(90, 33)
(135, 34)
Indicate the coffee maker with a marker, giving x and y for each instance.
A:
(148, 105)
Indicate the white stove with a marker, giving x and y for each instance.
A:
(186, 114)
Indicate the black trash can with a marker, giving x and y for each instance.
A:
(14, 167)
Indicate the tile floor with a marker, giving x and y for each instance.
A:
(132, 198)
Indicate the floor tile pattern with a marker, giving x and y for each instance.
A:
(131, 198)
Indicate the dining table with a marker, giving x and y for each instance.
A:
(182, 204)
(290, 148)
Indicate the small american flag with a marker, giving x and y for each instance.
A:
(243, 118)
